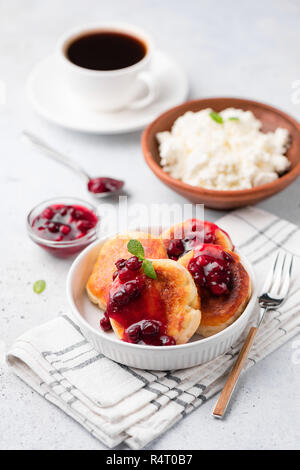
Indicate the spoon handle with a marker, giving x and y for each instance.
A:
(54, 154)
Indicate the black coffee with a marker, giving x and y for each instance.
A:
(106, 50)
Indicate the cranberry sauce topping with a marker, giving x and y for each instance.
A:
(195, 233)
(64, 223)
(104, 185)
(105, 323)
(211, 268)
(135, 303)
(151, 332)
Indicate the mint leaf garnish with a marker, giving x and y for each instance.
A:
(148, 269)
(233, 118)
(39, 286)
(216, 117)
(136, 248)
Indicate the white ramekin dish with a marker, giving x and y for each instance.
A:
(197, 351)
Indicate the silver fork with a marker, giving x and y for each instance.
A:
(274, 293)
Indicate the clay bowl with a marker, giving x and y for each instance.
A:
(271, 119)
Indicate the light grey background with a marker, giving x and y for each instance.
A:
(249, 49)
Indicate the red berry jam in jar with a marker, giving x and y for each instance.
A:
(104, 185)
(194, 234)
(136, 304)
(211, 268)
(63, 229)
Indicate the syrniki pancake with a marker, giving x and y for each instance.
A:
(113, 249)
(187, 235)
(172, 299)
(220, 311)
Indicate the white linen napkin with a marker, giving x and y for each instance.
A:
(118, 404)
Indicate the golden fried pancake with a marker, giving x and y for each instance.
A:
(171, 299)
(100, 280)
(218, 312)
(193, 232)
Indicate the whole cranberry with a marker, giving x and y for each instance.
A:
(201, 260)
(48, 213)
(215, 276)
(125, 274)
(227, 257)
(175, 248)
(105, 323)
(140, 280)
(134, 333)
(167, 340)
(209, 237)
(134, 263)
(133, 288)
(199, 278)
(197, 225)
(218, 289)
(77, 214)
(84, 225)
(120, 263)
(150, 328)
(53, 227)
(193, 267)
(120, 298)
(197, 271)
(115, 275)
(65, 229)
(63, 211)
(112, 309)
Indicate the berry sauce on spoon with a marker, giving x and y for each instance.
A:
(104, 185)
(99, 187)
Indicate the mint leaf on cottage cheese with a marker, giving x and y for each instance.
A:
(216, 117)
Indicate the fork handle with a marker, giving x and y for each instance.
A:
(233, 377)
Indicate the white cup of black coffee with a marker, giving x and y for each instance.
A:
(107, 67)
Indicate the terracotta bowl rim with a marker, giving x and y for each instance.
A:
(264, 188)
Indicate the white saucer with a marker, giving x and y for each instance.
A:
(47, 95)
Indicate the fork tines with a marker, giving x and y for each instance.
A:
(278, 279)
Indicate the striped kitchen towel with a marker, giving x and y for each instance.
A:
(119, 404)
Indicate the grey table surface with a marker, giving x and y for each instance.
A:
(230, 48)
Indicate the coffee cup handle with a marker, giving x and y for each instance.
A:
(151, 85)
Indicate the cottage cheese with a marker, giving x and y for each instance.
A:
(231, 155)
